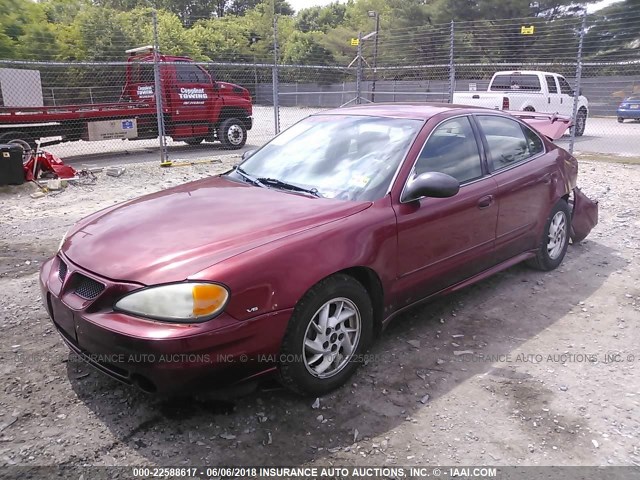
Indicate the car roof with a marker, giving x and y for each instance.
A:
(418, 111)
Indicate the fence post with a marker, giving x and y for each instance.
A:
(164, 158)
(576, 93)
(274, 76)
(452, 67)
(359, 70)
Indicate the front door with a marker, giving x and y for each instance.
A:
(442, 241)
(192, 95)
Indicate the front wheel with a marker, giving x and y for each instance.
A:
(232, 133)
(331, 326)
(620, 119)
(555, 240)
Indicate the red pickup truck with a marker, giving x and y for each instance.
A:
(195, 108)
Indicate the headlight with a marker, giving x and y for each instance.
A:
(188, 302)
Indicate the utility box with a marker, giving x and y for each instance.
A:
(11, 171)
(112, 129)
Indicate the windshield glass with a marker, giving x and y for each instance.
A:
(335, 156)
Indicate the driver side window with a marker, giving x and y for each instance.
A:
(451, 149)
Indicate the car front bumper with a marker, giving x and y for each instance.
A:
(155, 356)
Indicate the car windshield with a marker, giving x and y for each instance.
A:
(633, 98)
(333, 156)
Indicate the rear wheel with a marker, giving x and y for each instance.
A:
(529, 109)
(555, 240)
(620, 119)
(581, 123)
(232, 133)
(331, 326)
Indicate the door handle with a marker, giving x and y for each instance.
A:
(485, 201)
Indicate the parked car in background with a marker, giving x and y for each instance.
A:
(629, 109)
(529, 91)
(293, 261)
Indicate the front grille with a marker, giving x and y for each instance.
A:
(87, 288)
(62, 270)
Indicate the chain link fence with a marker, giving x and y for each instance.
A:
(88, 109)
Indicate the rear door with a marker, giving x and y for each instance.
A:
(442, 241)
(566, 97)
(554, 97)
(525, 175)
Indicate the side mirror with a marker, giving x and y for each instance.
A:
(247, 154)
(430, 184)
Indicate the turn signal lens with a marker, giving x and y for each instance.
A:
(207, 299)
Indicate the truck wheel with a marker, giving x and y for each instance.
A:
(529, 109)
(581, 123)
(20, 138)
(620, 119)
(194, 141)
(232, 133)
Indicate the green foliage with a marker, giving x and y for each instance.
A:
(411, 31)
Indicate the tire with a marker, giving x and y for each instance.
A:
(581, 123)
(557, 228)
(529, 109)
(194, 141)
(232, 133)
(309, 373)
(620, 120)
(27, 143)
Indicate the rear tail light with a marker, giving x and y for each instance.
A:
(505, 103)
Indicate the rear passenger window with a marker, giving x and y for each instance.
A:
(551, 84)
(451, 149)
(509, 142)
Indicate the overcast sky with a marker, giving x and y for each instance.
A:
(300, 4)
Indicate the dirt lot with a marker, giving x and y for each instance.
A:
(553, 377)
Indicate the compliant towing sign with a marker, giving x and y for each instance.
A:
(527, 30)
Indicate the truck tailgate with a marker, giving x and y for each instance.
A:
(481, 99)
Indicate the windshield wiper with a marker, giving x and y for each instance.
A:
(274, 182)
(249, 178)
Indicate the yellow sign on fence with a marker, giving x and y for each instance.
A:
(527, 30)
(355, 42)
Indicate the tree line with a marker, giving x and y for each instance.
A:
(411, 31)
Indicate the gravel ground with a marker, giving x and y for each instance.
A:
(552, 377)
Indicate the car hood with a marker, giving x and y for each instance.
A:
(170, 235)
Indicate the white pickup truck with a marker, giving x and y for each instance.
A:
(529, 91)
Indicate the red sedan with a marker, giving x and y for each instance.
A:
(294, 260)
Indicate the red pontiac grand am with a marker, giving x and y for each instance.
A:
(294, 260)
